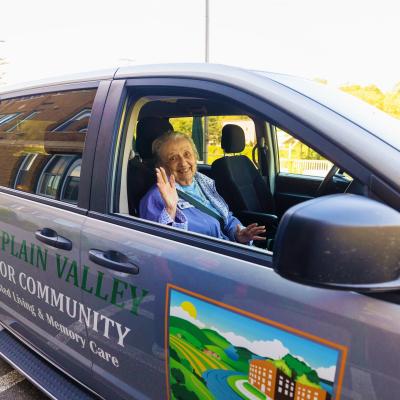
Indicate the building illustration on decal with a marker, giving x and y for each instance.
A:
(216, 353)
(275, 384)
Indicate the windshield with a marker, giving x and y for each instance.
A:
(363, 114)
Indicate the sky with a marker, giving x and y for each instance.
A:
(342, 41)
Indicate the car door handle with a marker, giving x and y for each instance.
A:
(51, 237)
(114, 260)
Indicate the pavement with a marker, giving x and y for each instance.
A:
(14, 386)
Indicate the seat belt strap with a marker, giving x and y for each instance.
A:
(200, 206)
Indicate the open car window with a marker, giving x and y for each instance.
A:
(234, 161)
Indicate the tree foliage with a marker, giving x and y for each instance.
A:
(388, 102)
(178, 376)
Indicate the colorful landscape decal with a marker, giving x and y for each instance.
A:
(216, 353)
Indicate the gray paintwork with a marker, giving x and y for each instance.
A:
(22, 218)
(368, 327)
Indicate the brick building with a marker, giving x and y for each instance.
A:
(270, 380)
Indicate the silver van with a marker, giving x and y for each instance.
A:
(99, 302)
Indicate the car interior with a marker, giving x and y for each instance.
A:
(247, 168)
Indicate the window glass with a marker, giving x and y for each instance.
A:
(209, 145)
(297, 158)
(41, 137)
(194, 127)
(71, 183)
(53, 174)
(5, 118)
(22, 179)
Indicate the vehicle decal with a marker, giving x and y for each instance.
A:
(39, 299)
(217, 351)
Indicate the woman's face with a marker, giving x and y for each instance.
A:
(179, 160)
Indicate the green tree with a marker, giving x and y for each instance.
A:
(178, 375)
(173, 354)
(182, 393)
(313, 377)
(388, 102)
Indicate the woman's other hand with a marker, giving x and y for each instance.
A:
(249, 233)
(167, 190)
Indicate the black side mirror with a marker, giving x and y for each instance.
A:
(341, 241)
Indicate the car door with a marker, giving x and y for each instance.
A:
(183, 316)
(43, 208)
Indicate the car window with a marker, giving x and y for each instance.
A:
(297, 158)
(41, 139)
(206, 133)
(139, 196)
(244, 190)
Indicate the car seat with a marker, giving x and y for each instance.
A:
(140, 174)
(239, 182)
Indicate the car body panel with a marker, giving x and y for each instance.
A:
(40, 293)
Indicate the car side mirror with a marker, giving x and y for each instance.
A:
(342, 241)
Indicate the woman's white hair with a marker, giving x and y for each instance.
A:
(161, 141)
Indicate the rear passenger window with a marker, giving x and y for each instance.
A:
(41, 142)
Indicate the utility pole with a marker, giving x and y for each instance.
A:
(207, 32)
(207, 59)
(2, 61)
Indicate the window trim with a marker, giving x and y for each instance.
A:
(44, 200)
(236, 250)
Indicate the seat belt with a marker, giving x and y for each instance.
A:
(201, 207)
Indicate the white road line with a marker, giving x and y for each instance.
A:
(243, 390)
(7, 381)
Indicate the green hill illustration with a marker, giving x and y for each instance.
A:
(216, 338)
(205, 364)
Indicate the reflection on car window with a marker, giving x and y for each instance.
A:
(70, 187)
(22, 179)
(52, 175)
(40, 137)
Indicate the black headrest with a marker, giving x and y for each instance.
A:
(147, 130)
(232, 140)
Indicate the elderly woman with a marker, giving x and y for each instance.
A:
(187, 199)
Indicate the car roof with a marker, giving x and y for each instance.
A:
(216, 72)
(59, 80)
(267, 85)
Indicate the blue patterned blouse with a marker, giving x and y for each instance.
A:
(188, 217)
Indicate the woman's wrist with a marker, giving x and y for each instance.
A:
(171, 210)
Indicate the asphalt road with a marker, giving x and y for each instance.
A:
(14, 386)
